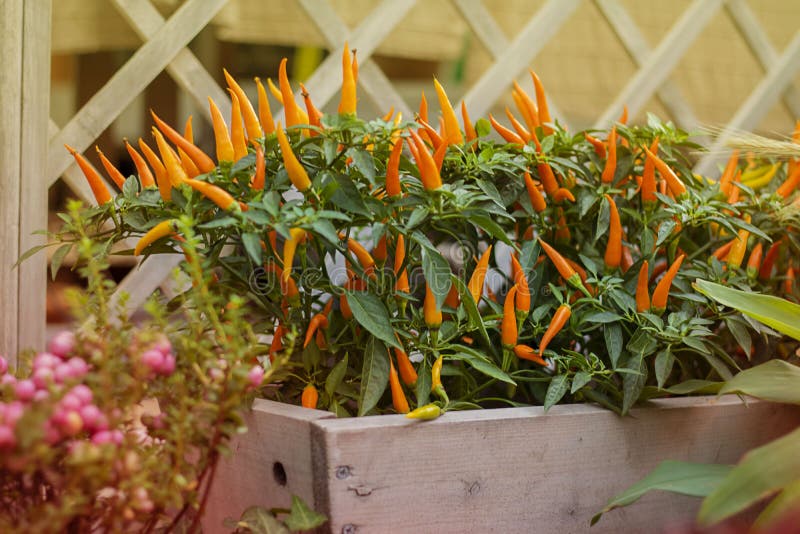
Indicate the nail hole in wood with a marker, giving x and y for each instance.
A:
(279, 473)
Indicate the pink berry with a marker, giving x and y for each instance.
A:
(70, 402)
(168, 365)
(101, 423)
(79, 366)
(83, 393)
(14, 412)
(41, 395)
(7, 438)
(153, 359)
(72, 423)
(45, 360)
(162, 345)
(24, 390)
(117, 436)
(103, 437)
(51, 433)
(6, 380)
(43, 377)
(256, 376)
(62, 344)
(64, 373)
(3, 366)
(90, 414)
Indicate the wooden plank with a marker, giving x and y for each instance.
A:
(33, 157)
(661, 62)
(375, 84)
(639, 50)
(10, 111)
(505, 470)
(757, 104)
(140, 283)
(185, 68)
(279, 438)
(519, 53)
(327, 79)
(758, 41)
(130, 80)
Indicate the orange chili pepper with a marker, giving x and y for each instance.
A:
(563, 234)
(476, 281)
(423, 107)
(296, 236)
(259, 177)
(754, 261)
(112, 171)
(354, 67)
(188, 165)
(452, 133)
(790, 184)
(733, 195)
(623, 119)
(290, 108)
(611, 162)
(428, 171)
(175, 173)
(199, 158)
(99, 189)
(505, 133)
(399, 257)
(436, 374)
(431, 134)
(527, 107)
(541, 102)
(264, 111)
(563, 194)
(528, 353)
(251, 124)
(537, 200)
(727, 175)
(347, 104)
(221, 136)
(214, 193)
(407, 372)
(310, 397)
(145, 176)
(380, 253)
(161, 230)
(642, 292)
(523, 296)
(546, 174)
(648, 189)
(765, 271)
(162, 180)
(788, 282)
(319, 321)
(399, 401)
(314, 115)
(736, 254)
(560, 319)
(188, 133)
(469, 129)
(297, 173)
(277, 342)
(431, 313)
(519, 128)
(613, 255)
(721, 253)
(364, 258)
(564, 269)
(659, 301)
(393, 169)
(673, 182)
(508, 325)
(237, 130)
(597, 144)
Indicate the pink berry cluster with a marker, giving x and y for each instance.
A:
(159, 358)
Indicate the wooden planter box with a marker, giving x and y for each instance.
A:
(504, 470)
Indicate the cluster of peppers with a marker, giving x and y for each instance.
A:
(547, 187)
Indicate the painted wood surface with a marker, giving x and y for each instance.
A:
(505, 470)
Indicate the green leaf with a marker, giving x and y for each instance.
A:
(786, 502)
(261, 521)
(633, 383)
(374, 375)
(697, 480)
(740, 333)
(483, 366)
(222, 222)
(664, 231)
(775, 380)
(614, 342)
(423, 385)
(663, 366)
(325, 228)
(474, 319)
(762, 471)
(348, 198)
(437, 274)
(371, 313)
(777, 313)
(483, 127)
(416, 217)
(558, 387)
(602, 317)
(364, 162)
(130, 188)
(700, 387)
(301, 517)
(57, 258)
(30, 252)
(252, 244)
(580, 379)
(335, 376)
(486, 223)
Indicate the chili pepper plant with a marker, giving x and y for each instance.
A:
(523, 264)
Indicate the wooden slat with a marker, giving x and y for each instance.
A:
(10, 111)
(186, 69)
(637, 47)
(519, 53)
(141, 282)
(757, 104)
(662, 61)
(327, 79)
(758, 41)
(277, 434)
(145, 64)
(374, 82)
(521, 470)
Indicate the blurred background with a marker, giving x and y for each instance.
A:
(586, 58)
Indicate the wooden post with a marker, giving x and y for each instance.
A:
(25, 86)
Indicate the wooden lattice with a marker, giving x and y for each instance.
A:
(28, 169)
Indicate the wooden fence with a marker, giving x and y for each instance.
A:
(31, 145)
